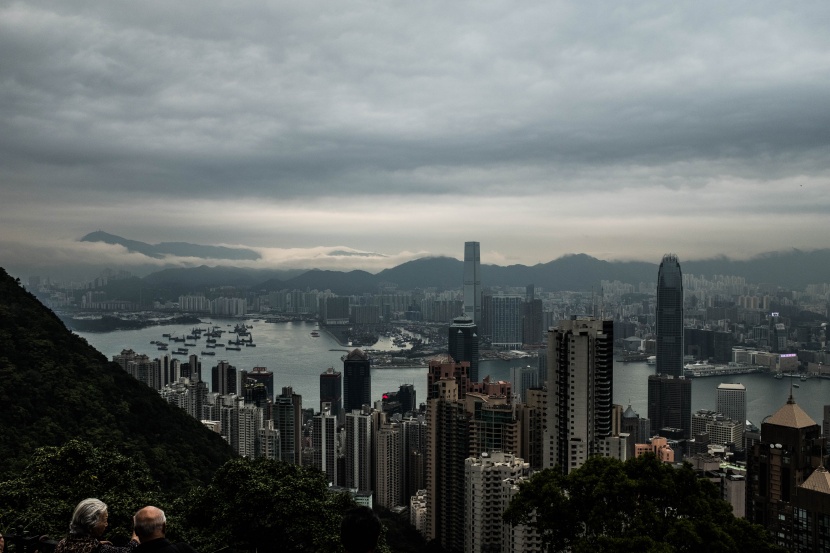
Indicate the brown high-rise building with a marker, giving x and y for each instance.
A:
(791, 448)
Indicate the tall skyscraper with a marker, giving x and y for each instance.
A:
(331, 391)
(580, 354)
(462, 343)
(357, 381)
(472, 281)
(670, 317)
(669, 393)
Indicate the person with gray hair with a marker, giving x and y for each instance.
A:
(89, 521)
(150, 526)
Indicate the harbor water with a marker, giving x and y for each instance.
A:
(297, 358)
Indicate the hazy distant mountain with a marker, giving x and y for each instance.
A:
(339, 282)
(793, 269)
(180, 249)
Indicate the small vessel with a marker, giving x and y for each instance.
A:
(233, 348)
(250, 345)
(208, 353)
(803, 378)
(796, 386)
(315, 334)
(167, 335)
(779, 376)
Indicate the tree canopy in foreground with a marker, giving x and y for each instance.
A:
(638, 505)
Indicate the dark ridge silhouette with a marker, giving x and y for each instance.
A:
(54, 386)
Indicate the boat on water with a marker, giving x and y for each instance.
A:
(250, 345)
(315, 334)
(162, 348)
(796, 386)
(208, 353)
(233, 348)
(651, 360)
(803, 378)
(177, 352)
(166, 335)
(779, 376)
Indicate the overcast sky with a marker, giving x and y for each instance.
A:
(621, 130)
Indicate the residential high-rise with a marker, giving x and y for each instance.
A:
(389, 466)
(331, 391)
(483, 498)
(462, 343)
(288, 420)
(669, 317)
(360, 461)
(580, 385)
(224, 379)
(357, 381)
(446, 450)
(261, 375)
(523, 379)
(324, 442)
(472, 281)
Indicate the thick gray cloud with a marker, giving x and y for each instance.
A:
(513, 123)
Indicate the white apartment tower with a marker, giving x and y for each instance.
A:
(324, 442)
(580, 382)
(484, 498)
(360, 466)
(472, 281)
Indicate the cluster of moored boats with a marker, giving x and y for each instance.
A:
(212, 340)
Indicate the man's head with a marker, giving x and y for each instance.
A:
(149, 523)
(360, 530)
